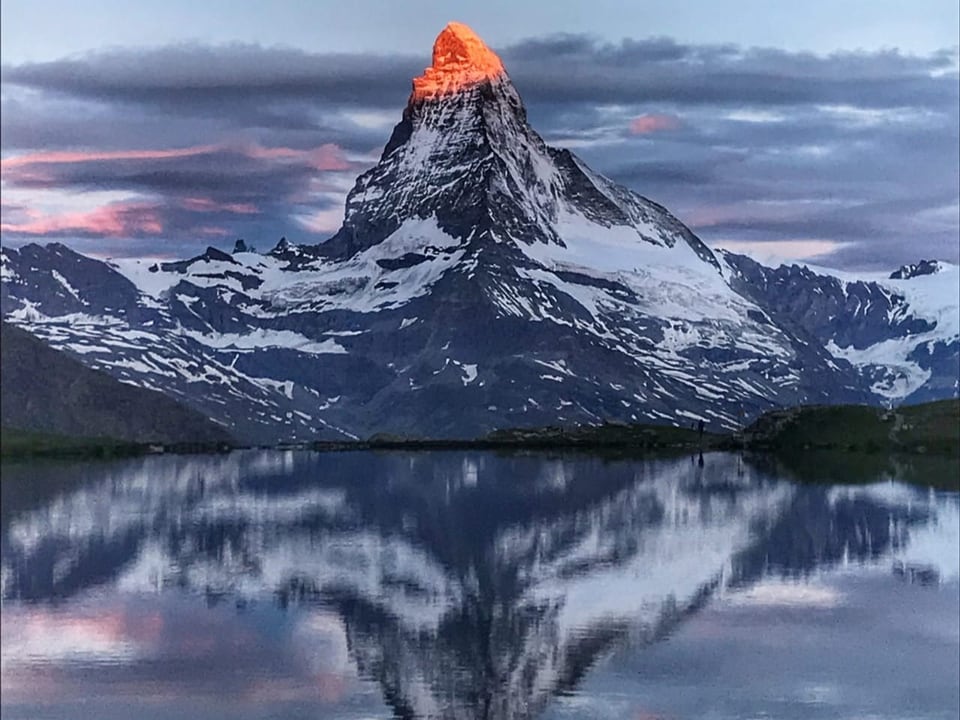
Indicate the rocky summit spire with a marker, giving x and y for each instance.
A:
(465, 156)
(460, 60)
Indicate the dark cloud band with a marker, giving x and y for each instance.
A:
(858, 148)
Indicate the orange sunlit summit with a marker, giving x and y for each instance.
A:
(460, 60)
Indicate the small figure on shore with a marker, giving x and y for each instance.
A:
(700, 431)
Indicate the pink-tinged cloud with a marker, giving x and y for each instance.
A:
(211, 231)
(200, 204)
(324, 157)
(646, 124)
(116, 220)
(12, 212)
(62, 158)
(323, 221)
(775, 252)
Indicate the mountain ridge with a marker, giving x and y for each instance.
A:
(49, 391)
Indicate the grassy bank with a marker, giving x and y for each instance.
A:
(15, 443)
(607, 436)
(27, 443)
(927, 429)
(930, 428)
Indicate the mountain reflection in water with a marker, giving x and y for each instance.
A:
(465, 585)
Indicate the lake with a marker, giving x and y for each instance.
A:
(268, 584)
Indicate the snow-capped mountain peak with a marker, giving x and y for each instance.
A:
(465, 155)
(483, 279)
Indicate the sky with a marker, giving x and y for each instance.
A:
(825, 131)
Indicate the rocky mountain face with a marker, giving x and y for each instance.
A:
(900, 332)
(924, 267)
(49, 391)
(481, 280)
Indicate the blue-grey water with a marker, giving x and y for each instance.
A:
(473, 585)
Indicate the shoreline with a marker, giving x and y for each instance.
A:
(930, 429)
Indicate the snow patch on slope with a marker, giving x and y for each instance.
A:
(264, 338)
(934, 298)
(905, 375)
(362, 284)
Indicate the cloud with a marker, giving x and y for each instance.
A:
(645, 124)
(200, 78)
(752, 145)
(199, 204)
(118, 220)
(228, 162)
(60, 158)
(661, 70)
(260, 82)
(660, 173)
(196, 193)
(776, 252)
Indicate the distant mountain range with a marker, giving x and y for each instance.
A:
(482, 280)
(48, 391)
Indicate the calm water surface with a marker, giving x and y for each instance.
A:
(472, 585)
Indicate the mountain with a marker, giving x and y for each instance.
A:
(901, 332)
(49, 391)
(482, 279)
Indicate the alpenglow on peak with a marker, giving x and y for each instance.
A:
(460, 60)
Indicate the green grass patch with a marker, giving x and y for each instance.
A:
(928, 428)
(27, 443)
(16, 443)
(600, 437)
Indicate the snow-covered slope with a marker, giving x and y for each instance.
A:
(481, 280)
(900, 330)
